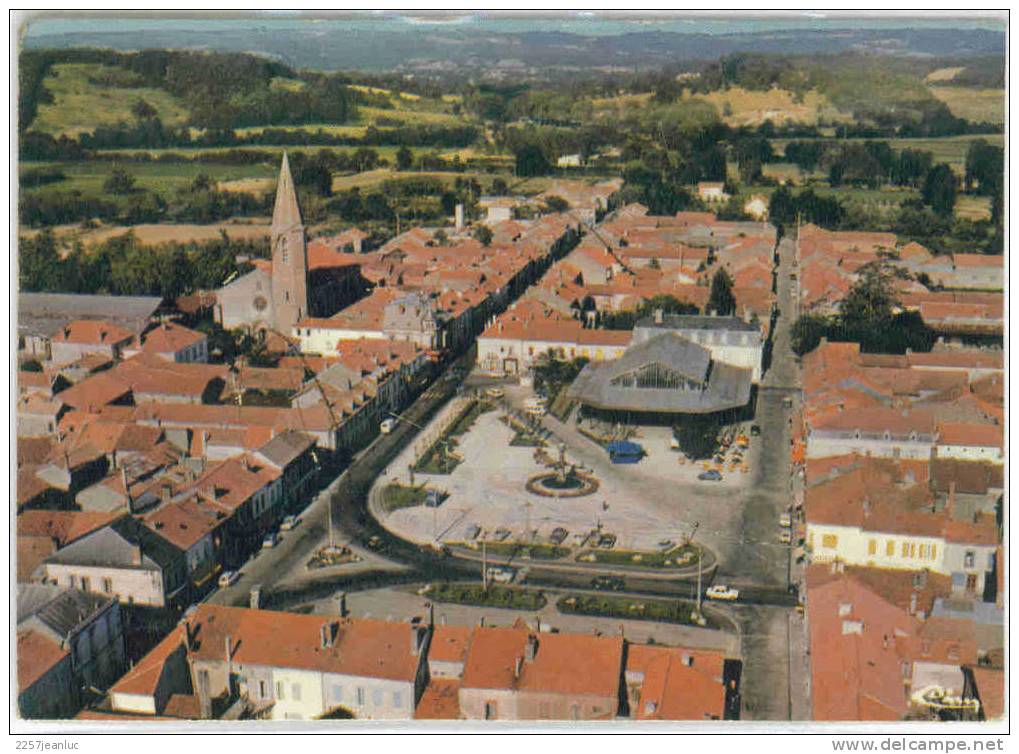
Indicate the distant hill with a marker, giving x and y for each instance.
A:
(330, 45)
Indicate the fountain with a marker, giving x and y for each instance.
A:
(563, 479)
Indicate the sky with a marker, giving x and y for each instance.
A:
(585, 23)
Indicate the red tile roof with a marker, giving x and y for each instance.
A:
(63, 527)
(365, 648)
(37, 654)
(144, 677)
(440, 700)
(92, 332)
(678, 684)
(563, 663)
(169, 337)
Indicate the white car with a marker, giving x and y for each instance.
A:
(270, 540)
(501, 575)
(721, 592)
(495, 392)
(387, 426)
(785, 520)
(290, 522)
(785, 537)
(228, 578)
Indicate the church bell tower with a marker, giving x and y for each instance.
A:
(289, 256)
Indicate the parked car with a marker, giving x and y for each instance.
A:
(228, 578)
(495, 392)
(387, 426)
(755, 430)
(785, 520)
(558, 535)
(472, 532)
(290, 522)
(722, 592)
(501, 534)
(270, 540)
(711, 475)
(785, 537)
(665, 545)
(607, 541)
(608, 583)
(374, 543)
(501, 575)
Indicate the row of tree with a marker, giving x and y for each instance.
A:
(123, 265)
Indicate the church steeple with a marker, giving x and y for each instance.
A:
(286, 214)
(289, 256)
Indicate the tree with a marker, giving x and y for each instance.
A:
(807, 331)
(721, 300)
(940, 188)
(202, 182)
(142, 110)
(556, 204)
(483, 234)
(782, 207)
(531, 161)
(39, 264)
(404, 159)
(499, 187)
(871, 300)
(119, 182)
(697, 435)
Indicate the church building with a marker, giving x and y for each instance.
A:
(302, 279)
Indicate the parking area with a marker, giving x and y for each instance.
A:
(642, 505)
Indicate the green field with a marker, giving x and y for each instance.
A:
(950, 149)
(164, 178)
(977, 105)
(89, 95)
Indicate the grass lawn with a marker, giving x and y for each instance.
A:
(536, 551)
(84, 97)
(524, 436)
(662, 611)
(397, 496)
(512, 598)
(678, 557)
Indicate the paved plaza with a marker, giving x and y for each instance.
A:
(642, 504)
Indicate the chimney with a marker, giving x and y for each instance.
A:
(531, 650)
(458, 217)
(228, 647)
(912, 604)
(518, 665)
(185, 636)
(687, 659)
(866, 507)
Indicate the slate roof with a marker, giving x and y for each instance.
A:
(116, 546)
(727, 386)
(59, 609)
(285, 447)
(698, 322)
(46, 313)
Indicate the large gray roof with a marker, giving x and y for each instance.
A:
(59, 609)
(727, 386)
(698, 322)
(117, 546)
(46, 313)
(285, 447)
